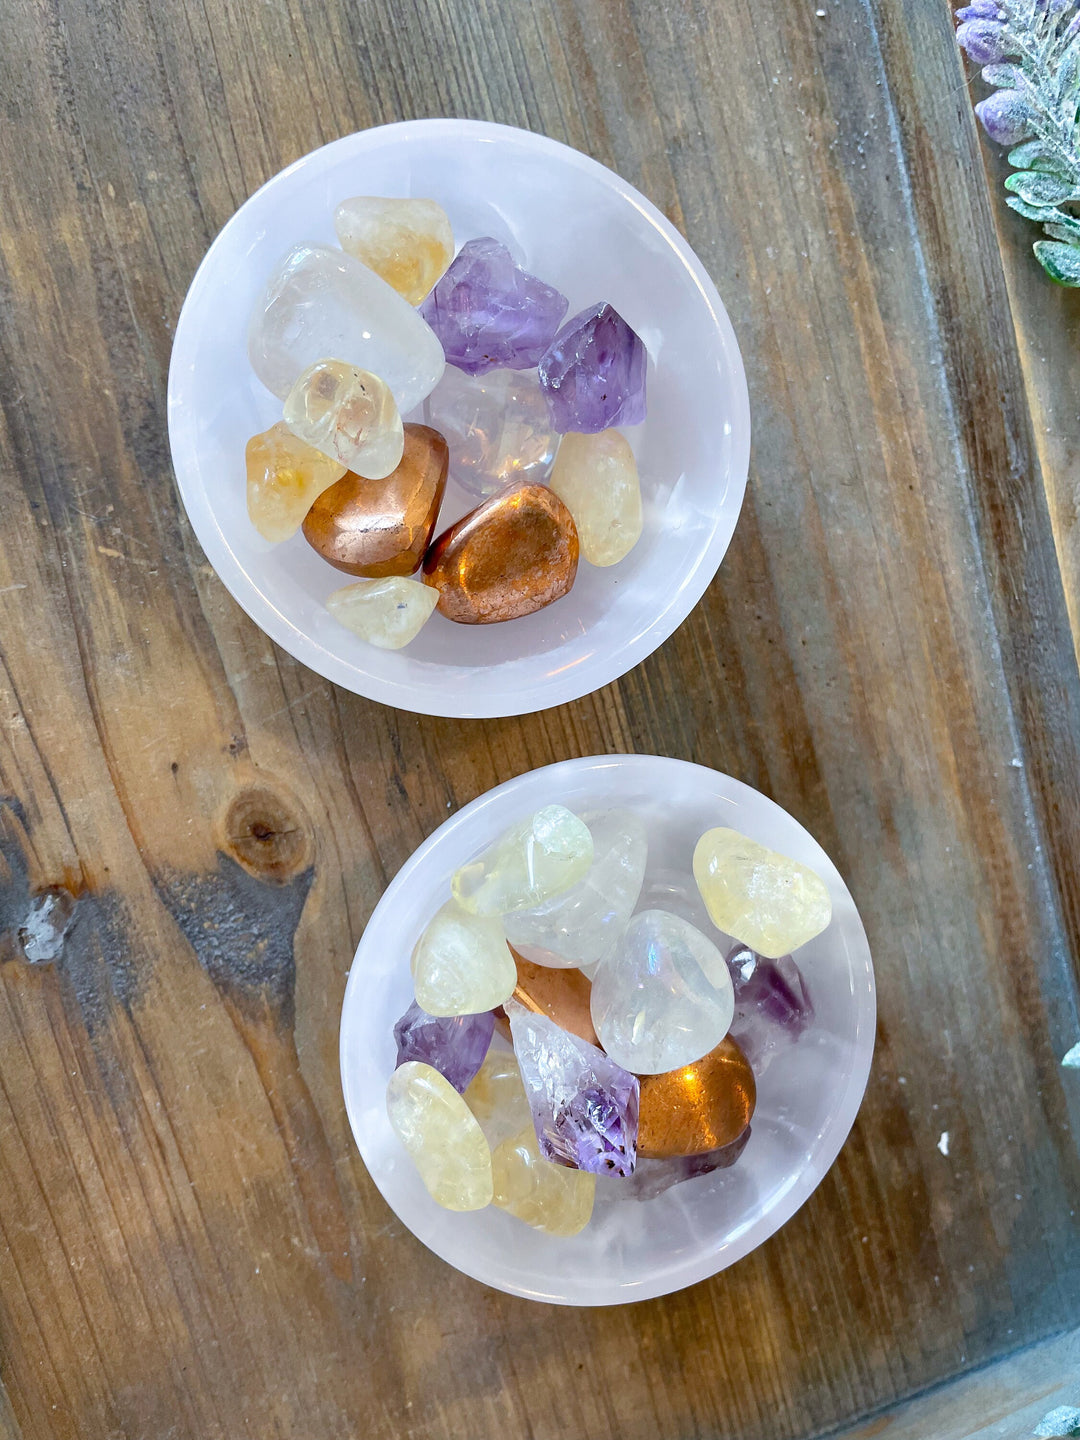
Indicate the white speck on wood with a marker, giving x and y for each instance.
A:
(943, 1143)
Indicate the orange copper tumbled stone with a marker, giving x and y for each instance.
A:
(698, 1107)
(382, 527)
(561, 995)
(514, 554)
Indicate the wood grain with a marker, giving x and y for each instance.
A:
(190, 1245)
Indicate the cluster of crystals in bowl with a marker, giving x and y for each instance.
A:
(525, 416)
(635, 1041)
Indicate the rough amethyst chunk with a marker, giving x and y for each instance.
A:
(584, 1106)
(455, 1045)
(772, 1004)
(489, 313)
(653, 1177)
(593, 373)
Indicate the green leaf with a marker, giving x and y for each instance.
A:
(1069, 233)
(1035, 155)
(1041, 213)
(1068, 73)
(1005, 77)
(1061, 262)
(1039, 189)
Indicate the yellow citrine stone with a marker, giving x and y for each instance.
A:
(350, 414)
(442, 1136)
(285, 476)
(531, 862)
(388, 612)
(548, 1197)
(760, 898)
(408, 242)
(462, 964)
(596, 478)
(496, 1096)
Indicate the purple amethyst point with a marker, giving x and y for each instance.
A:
(489, 313)
(455, 1045)
(593, 373)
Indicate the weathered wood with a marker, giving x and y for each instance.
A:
(190, 1245)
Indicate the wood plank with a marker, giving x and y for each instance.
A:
(190, 1244)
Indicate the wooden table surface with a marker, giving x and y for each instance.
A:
(191, 1246)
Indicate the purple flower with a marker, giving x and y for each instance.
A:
(984, 41)
(1006, 117)
(981, 10)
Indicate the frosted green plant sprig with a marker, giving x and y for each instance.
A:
(1030, 53)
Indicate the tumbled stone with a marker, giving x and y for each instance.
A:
(697, 1107)
(758, 897)
(654, 1177)
(664, 999)
(593, 373)
(489, 313)
(455, 1045)
(583, 925)
(514, 554)
(408, 242)
(320, 302)
(442, 1136)
(596, 478)
(772, 1004)
(387, 613)
(562, 995)
(498, 428)
(497, 1097)
(530, 862)
(383, 527)
(284, 479)
(462, 964)
(349, 414)
(552, 1198)
(584, 1106)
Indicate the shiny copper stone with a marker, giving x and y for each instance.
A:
(561, 995)
(382, 527)
(698, 1108)
(514, 554)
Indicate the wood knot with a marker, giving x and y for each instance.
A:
(267, 835)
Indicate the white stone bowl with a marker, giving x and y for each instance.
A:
(807, 1098)
(578, 226)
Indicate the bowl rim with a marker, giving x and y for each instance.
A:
(831, 1140)
(554, 688)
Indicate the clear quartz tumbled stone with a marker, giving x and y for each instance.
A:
(531, 862)
(462, 964)
(497, 426)
(388, 612)
(760, 898)
(408, 242)
(349, 414)
(596, 478)
(442, 1136)
(320, 301)
(582, 926)
(552, 1198)
(664, 999)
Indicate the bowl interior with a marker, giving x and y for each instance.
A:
(578, 226)
(807, 1097)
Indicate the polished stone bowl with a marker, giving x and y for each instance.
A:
(575, 224)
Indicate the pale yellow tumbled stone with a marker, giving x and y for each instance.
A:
(285, 476)
(596, 478)
(408, 242)
(388, 612)
(462, 964)
(442, 1136)
(349, 414)
(530, 863)
(552, 1198)
(496, 1096)
(762, 899)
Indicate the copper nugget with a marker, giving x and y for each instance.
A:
(514, 554)
(382, 527)
(698, 1107)
(561, 995)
